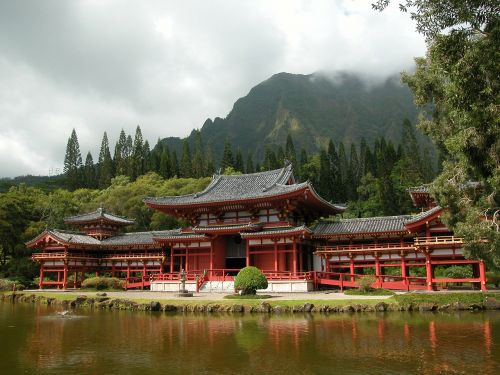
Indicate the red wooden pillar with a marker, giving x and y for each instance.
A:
(351, 267)
(75, 279)
(377, 271)
(301, 258)
(172, 258)
(403, 270)
(276, 256)
(482, 275)
(65, 275)
(40, 282)
(428, 271)
(186, 264)
(294, 257)
(128, 270)
(247, 245)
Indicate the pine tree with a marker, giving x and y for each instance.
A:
(73, 162)
(270, 161)
(146, 158)
(334, 174)
(105, 164)
(119, 159)
(198, 160)
(174, 164)
(280, 157)
(238, 164)
(209, 161)
(129, 148)
(325, 188)
(249, 168)
(342, 173)
(89, 180)
(227, 157)
(165, 168)
(354, 176)
(186, 164)
(290, 153)
(137, 154)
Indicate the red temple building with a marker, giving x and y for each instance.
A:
(263, 219)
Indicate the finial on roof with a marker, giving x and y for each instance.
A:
(287, 162)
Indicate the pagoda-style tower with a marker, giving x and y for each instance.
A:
(98, 224)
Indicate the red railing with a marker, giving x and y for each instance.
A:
(138, 282)
(364, 247)
(438, 240)
(133, 256)
(60, 255)
(350, 280)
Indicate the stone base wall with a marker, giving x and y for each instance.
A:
(281, 286)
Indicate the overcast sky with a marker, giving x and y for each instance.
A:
(101, 65)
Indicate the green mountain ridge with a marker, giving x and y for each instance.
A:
(312, 108)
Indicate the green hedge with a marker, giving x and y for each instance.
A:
(7, 285)
(101, 283)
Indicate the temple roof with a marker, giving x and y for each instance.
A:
(97, 216)
(246, 187)
(125, 239)
(277, 231)
(382, 224)
(418, 189)
(424, 215)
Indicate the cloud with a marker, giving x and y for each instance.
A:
(167, 66)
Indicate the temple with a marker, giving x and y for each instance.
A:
(264, 219)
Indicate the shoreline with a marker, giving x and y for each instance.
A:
(324, 303)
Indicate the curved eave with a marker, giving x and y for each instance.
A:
(277, 234)
(99, 221)
(415, 225)
(181, 239)
(351, 234)
(307, 190)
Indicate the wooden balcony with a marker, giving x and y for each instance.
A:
(365, 248)
(140, 256)
(61, 256)
(439, 241)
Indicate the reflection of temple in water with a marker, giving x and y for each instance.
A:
(417, 343)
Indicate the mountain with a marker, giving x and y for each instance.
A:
(313, 108)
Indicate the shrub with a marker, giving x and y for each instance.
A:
(493, 278)
(7, 285)
(365, 283)
(371, 292)
(458, 272)
(249, 279)
(101, 283)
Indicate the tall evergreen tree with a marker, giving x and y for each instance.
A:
(249, 167)
(290, 153)
(165, 168)
(137, 160)
(105, 164)
(198, 160)
(238, 163)
(353, 176)
(73, 162)
(174, 164)
(227, 157)
(209, 161)
(120, 162)
(146, 158)
(89, 180)
(342, 173)
(128, 156)
(334, 174)
(186, 163)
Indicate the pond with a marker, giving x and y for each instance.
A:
(35, 339)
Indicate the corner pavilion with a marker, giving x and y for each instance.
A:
(263, 219)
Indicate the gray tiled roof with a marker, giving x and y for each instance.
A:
(98, 214)
(225, 188)
(73, 237)
(277, 230)
(236, 227)
(418, 189)
(237, 187)
(364, 225)
(423, 215)
(136, 238)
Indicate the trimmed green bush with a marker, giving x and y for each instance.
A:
(365, 283)
(249, 279)
(101, 283)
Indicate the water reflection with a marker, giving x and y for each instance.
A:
(105, 342)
